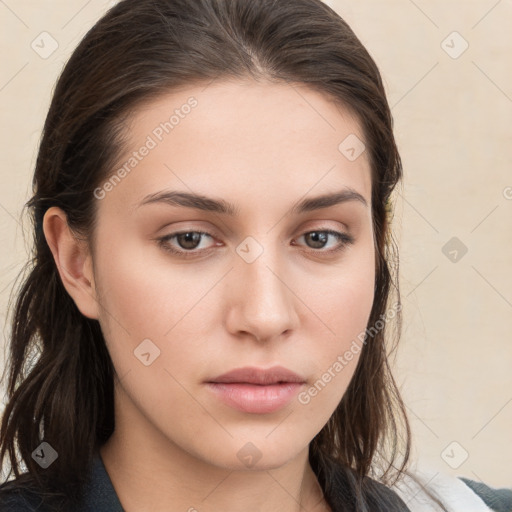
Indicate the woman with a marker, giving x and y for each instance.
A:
(212, 275)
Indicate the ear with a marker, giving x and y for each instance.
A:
(73, 260)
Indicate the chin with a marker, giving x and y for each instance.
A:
(258, 454)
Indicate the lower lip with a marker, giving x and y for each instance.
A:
(253, 398)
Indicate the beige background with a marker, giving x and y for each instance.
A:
(452, 118)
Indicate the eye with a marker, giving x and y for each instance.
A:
(319, 237)
(189, 242)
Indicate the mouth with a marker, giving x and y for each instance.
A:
(253, 375)
(257, 391)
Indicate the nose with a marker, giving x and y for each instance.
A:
(262, 303)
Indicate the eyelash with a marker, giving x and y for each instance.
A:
(344, 238)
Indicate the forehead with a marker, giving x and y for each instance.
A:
(257, 140)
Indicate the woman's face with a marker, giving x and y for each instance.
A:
(265, 286)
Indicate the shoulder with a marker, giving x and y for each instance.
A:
(95, 495)
(340, 489)
(428, 490)
(19, 496)
(499, 500)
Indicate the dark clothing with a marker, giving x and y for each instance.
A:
(100, 495)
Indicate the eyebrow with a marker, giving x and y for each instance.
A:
(210, 204)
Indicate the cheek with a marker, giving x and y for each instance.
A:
(342, 310)
(343, 298)
(345, 311)
(143, 293)
(150, 316)
(145, 299)
(346, 301)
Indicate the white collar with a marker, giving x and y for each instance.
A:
(455, 495)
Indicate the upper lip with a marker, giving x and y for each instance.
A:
(253, 375)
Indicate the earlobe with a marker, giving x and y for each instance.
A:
(73, 260)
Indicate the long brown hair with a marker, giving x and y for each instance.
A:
(60, 375)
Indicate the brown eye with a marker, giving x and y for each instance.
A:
(187, 242)
(319, 238)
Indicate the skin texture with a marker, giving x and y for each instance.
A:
(263, 147)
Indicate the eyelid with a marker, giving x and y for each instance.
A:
(162, 241)
(343, 237)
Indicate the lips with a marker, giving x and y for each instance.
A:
(255, 390)
(253, 375)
